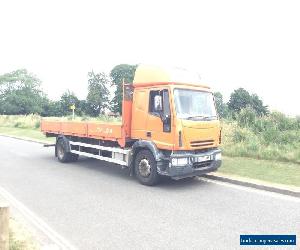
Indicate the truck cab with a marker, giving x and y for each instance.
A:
(178, 118)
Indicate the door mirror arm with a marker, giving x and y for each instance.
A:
(164, 117)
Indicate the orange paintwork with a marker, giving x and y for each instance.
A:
(147, 84)
(191, 130)
(137, 123)
(144, 122)
(97, 130)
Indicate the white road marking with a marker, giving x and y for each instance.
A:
(60, 242)
(252, 190)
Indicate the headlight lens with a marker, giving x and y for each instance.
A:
(218, 157)
(180, 161)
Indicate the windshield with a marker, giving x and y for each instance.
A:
(194, 104)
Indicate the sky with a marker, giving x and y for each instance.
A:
(231, 44)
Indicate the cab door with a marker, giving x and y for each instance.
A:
(159, 128)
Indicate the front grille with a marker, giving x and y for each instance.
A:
(202, 164)
(202, 143)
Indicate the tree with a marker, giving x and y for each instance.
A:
(258, 106)
(20, 93)
(82, 108)
(67, 99)
(120, 73)
(241, 99)
(221, 106)
(98, 94)
(51, 108)
(62, 107)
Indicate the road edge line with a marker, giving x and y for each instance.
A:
(59, 240)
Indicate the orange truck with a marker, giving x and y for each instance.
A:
(169, 127)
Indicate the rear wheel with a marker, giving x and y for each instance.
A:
(74, 157)
(146, 168)
(62, 154)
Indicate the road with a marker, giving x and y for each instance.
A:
(95, 205)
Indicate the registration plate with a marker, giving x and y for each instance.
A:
(203, 158)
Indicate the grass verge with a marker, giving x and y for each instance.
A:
(26, 134)
(20, 238)
(264, 170)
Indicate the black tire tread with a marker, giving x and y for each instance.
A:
(153, 179)
(68, 157)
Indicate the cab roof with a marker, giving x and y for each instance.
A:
(149, 75)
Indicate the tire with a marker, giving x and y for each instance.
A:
(145, 168)
(73, 157)
(62, 155)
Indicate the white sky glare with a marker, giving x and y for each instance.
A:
(249, 44)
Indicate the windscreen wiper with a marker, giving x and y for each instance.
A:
(196, 116)
(200, 116)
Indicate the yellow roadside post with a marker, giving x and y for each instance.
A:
(73, 110)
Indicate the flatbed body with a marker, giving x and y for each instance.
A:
(106, 131)
(113, 131)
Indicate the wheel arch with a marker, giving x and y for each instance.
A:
(141, 145)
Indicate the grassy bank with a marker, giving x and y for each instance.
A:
(26, 133)
(273, 137)
(20, 238)
(264, 170)
(20, 121)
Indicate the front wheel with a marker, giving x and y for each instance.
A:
(146, 168)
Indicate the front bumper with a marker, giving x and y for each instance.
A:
(193, 168)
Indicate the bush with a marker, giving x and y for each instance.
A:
(241, 134)
(283, 122)
(19, 121)
(273, 137)
(37, 124)
(246, 117)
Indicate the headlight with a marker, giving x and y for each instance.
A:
(180, 161)
(218, 156)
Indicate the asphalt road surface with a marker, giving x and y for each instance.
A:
(96, 205)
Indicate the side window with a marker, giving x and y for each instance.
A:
(159, 105)
(153, 100)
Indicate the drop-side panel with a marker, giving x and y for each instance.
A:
(104, 131)
(74, 128)
(50, 127)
